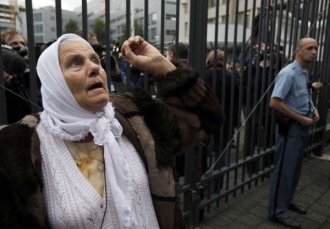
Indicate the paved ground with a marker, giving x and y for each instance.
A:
(249, 210)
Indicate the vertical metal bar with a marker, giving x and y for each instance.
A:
(128, 18)
(286, 32)
(233, 95)
(263, 31)
(32, 59)
(324, 94)
(296, 26)
(146, 37)
(162, 26)
(292, 44)
(177, 25)
(214, 78)
(58, 9)
(304, 21)
(215, 58)
(197, 38)
(224, 88)
(315, 7)
(146, 17)
(249, 82)
(128, 34)
(107, 40)
(3, 103)
(84, 19)
(320, 34)
(240, 102)
(269, 35)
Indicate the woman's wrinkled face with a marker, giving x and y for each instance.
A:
(84, 75)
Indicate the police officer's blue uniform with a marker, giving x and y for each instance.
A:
(291, 86)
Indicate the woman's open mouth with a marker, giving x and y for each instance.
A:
(95, 86)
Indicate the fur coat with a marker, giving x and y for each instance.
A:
(186, 113)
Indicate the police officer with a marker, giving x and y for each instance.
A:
(292, 100)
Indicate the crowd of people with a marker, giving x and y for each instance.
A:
(109, 156)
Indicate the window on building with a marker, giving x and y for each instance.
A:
(153, 33)
(52, 18)
(186, 29)
(173, 2)
(37, 17)
(52, 29)
(223, 19)
(171, 17)
(153, 19)
(170, 32)
(118, 29)
(223, 2)
(38, 28)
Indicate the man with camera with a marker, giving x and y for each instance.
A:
(16, 74)
(292, 100)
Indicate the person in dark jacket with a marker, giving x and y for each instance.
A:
(216, 76)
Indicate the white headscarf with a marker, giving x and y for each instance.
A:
(68, 121)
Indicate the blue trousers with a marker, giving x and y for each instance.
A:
(289, 153)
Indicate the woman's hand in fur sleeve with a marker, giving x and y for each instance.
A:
(146, 57)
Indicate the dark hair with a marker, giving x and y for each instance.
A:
(182, 50)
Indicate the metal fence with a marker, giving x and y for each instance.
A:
(244, 155)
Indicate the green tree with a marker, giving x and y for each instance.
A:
(99, 30)
(71, 26)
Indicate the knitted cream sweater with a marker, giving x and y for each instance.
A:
(71, 200)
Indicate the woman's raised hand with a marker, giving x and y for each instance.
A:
(146, 57)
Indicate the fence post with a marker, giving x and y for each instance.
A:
(32, 59)
(323, 104)
(197, 36)
(3, 104)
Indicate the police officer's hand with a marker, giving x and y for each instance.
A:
(317, 85)
(305, 121)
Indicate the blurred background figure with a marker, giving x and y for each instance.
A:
(17, 76)
(91, 36)
(15, 39)
(181, 56)
(222, 76)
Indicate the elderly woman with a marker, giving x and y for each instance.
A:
(93, 162)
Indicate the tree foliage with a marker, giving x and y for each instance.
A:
(71, 26)
(99, 30)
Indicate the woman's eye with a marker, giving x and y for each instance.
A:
(74, 63)
(96, 61)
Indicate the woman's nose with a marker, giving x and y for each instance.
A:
(94, 68)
